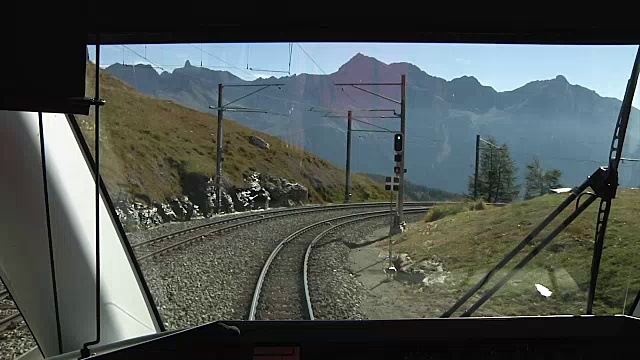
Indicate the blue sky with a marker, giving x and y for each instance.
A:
(604, 69)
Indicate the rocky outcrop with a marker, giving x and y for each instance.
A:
(253, 195)
(283, 193)
(425, 273)
(137, 214)
(258, 141)
(226, 202)
(258, 191)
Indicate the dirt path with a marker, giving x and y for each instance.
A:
(390, 299)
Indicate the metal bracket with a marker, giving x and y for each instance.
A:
(604, 182)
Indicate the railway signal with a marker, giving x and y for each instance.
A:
(398, 140)
(391, 183)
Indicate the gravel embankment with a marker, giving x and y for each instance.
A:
(335, 292)
(16, 339)
(214, 278)
(167, 228)
(15, 342)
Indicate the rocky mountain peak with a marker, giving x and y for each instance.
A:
(561, 78)
(467, 80)
(358, 61)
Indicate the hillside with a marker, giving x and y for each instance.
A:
(151, 147)
(420, 192)
(470, 243)
(567, 125)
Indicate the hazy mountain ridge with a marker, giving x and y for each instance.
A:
(566, 125)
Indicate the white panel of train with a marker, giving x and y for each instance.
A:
(25, 264)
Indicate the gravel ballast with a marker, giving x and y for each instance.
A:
(336, 293)
(15, 342)
(170, 227)
(214, 278)
(16, 339)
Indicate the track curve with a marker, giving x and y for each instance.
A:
(289, 300)
(155, 247)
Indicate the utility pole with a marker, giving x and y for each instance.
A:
(490, 174)
(399, 220)
(221, 108)
(495, 197)
(219, 152)
(347, 187)
(350, 130)
(475, 177)
(403, 118)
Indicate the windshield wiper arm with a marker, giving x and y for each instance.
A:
(604, 182)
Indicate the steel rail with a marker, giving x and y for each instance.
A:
(258, 219)
(318, 238)
(270, 212)
(294, 235)
(8, 319)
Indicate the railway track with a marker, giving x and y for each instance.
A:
(8, 313)
(9, 319)
(153, 247)
(282, 292)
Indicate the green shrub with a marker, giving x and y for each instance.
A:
(438, 212)
(478, 205)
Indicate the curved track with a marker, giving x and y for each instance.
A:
(281, 292)
(152, 247)
(13, 316)
(7, 320)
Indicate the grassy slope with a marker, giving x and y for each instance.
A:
(472, 242)
(146, 140)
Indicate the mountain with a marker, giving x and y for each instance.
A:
(567, 126)
(420, 192)
(153, 150)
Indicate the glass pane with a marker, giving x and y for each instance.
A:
(542, 118)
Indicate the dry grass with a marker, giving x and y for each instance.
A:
(147, 143)
(471, 242)
(440, 211)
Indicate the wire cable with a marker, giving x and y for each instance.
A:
(325, 73)
(226, 62)
(135, 52)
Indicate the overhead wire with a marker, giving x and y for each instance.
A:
(325, 73)
(176, 66)
(141, 56)
(290, 56)
(272, 71)
(226, 62)
(370, 124)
